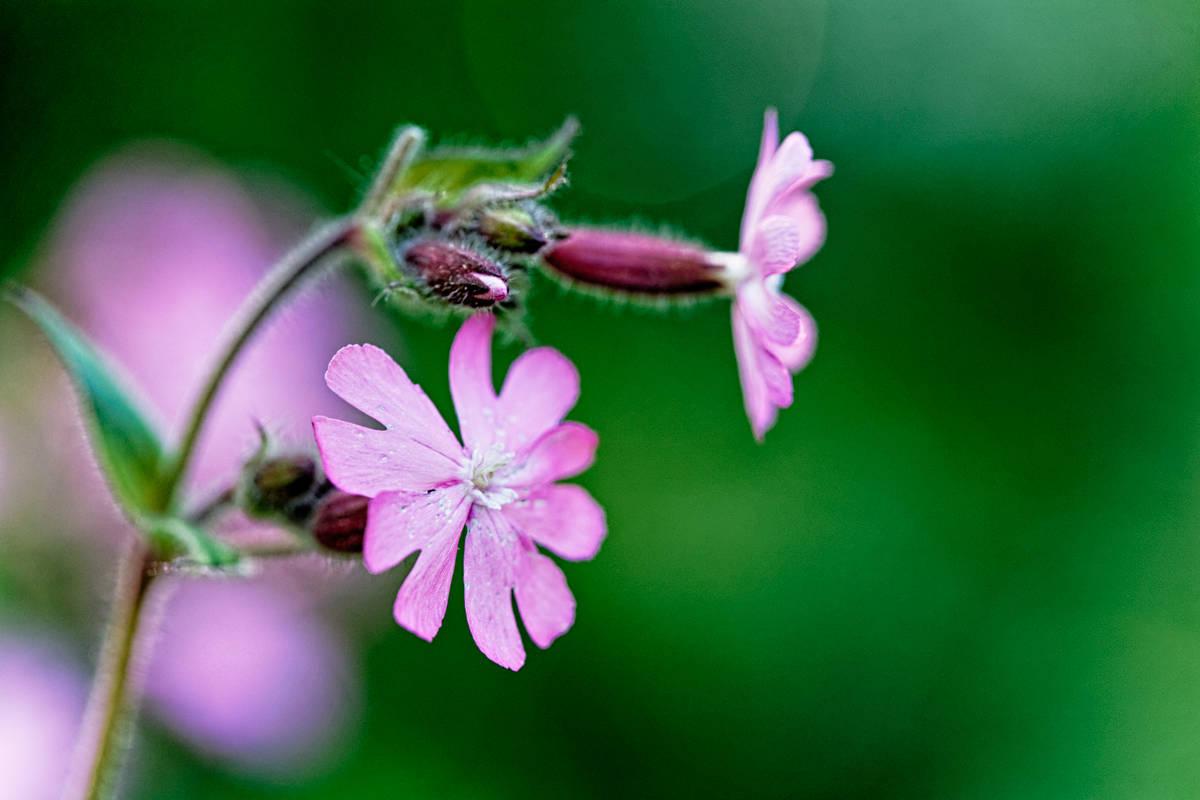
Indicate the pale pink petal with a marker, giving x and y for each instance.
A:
(398, 525)
(471, 381)
(541, 387)
(776, 245)
(796, 355)
(489, 574)
(754, 387)
(776, 377)
(802, 209)
(792, 163)
(546, 604)
(364, 461)
(770, 138)
(756, 198)
(368, 379)
(562, 452)
(564, 518)
(766, 313)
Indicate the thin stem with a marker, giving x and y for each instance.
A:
(258, 306)
(107, 725)
(405, 145)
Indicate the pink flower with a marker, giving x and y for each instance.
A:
(424, 486)
(42, 697)
(154, 251)
(248, 673)
(773, 335)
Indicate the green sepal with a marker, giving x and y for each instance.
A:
(371, 247)
(186, 545)
(447, 172)
(128, 450)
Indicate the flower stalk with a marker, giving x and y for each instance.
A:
(279, 283)
(108, 722)
(108, 726)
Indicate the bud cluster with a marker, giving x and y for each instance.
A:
(287, 489)
(456, 228)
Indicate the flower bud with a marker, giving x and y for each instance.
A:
(512, 229)
(341, 521)
(635, 263)
(277, 484)
(457, 274)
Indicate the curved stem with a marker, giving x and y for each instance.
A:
(258, 306)
(107, 725)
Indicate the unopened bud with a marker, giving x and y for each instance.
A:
(512, 229)
(457, 274)
(341, 521)
(634, 263)
(277, 483)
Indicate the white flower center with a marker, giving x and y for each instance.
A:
(479, 473)
(735, 267)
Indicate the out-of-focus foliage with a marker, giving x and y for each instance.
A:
(966, 562)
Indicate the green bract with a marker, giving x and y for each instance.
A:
(188, 545)
(128, 450)
(448, 172)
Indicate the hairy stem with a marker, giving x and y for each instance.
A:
(286, 275)
(108, 723)
(405, 145)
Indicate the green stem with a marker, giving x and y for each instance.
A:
(258, 306)
(108, 723)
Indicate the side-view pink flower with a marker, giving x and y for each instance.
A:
(782, 227)
(425, 486)
(773, 335)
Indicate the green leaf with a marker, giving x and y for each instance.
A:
(188, 545)
(127, 448)
(448, 171)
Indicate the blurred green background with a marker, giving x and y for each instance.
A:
(966, 562)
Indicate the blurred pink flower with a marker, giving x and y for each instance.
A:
(424, 486)
(42, 697)
(782, 226)
(5, 474)
(156, 249)
(247, 673)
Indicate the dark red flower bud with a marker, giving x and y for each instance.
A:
(341, 521)
(635, 263)
(457, 274)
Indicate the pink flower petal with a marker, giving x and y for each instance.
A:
(564, 518)
(775, 376)
(541, 387)
(796, 355)
(776, 245)
(489, 574)
(546, 604)
(364, 461)
(803, 210)
(368, 379)
(756, 198)
(471, 381)
(766, 313)
(754, 386)
(562, 452)
(398, 525)
(791, 165)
